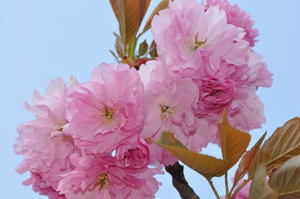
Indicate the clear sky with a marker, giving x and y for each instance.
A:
(43, 39)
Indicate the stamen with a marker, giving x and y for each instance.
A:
(165, 108)
(60, 126)
(198, 43)
(108, 113)
(165, 111)
(101, 181)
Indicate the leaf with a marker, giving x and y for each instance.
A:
(162, 5)
(119, 45)
(233, 145)
(246, 160)
(153, 50)
(130, 14)
(143, 48)
(233, 141)
(281, 146)
(114, 54)
(286, 179)
(206, 165)
(259, 188)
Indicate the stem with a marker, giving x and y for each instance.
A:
(180, 183)
(226, 186)
(131, 49)
(237, 190)
(213, 188)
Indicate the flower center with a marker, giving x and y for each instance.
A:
(108, 113)
(101, 181)
(60, 126)
(165, 108)
(59, 132)
(165, 111)
(197, 42)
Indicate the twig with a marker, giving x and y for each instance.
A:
(213, 188)
(180, 183)
(226, 186)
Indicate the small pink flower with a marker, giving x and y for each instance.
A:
(43, 142)
(165, 111)
(41, 186)
(132, 154)
(99, 177)
(215, 95)
(236, 17)
(218, 87)
(232, 87)
(187, 35)
(52, 106)
(106, 110)
(258, 74)
(168, 107)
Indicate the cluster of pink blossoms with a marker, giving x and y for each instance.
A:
(90, 140)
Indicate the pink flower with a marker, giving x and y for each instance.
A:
(99, 177)
(233, 88)
(133, 153)
(106, 110)
(43, 142)
(40, 185)
(248, 111)
(187, 35)
(165, 111)
(208, 45)
(244, 192)
(51, 106)
(236, 17)
(168, 107)
(215, 94)
(258, 74)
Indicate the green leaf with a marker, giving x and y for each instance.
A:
(281, 146)
(143, 48)
(114, 54)
(259, 187)
(286, 179)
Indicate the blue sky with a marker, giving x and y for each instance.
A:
(41, 40)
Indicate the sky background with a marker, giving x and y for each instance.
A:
(44, 39)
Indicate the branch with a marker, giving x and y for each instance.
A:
(180, 183)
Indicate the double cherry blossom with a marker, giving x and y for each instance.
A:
(94, 139)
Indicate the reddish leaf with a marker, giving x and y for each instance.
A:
(205, 165)
(246, 160)
(162, 5)
(233, 141)
(130, 14)
(281, 146)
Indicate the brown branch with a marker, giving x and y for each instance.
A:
(180, 183)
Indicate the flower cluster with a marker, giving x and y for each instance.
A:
(93, 139)
(210, 45)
